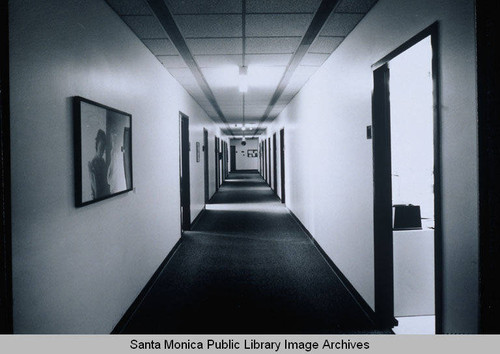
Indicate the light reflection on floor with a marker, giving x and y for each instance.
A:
(268, 207)
(415, 325)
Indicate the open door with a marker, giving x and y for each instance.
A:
(407, 188)
(233, 158)
(269, 174)
(217, 173)
(275, 167)
(282, 164)
(184, 173)
(205, 164)
(382, 194)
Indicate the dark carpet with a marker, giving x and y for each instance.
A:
(248, 268)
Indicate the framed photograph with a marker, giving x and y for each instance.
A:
(252, 153)
(103, 151)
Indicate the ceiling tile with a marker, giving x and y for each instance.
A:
(340, 24)
(268, 59)
(277, 25)
(129, 7)
(313, 59)
(222, 77)
(264, 77)
(182, 74)
(160, 46)
(276, 110)
(282, 6)
(255, 110)
(215, 46)
(212, 61)
(325, 44)
(260, 96)
(359, 6)
(202, 26)
(304, 71)
(290, 93)
(203, 6)
(278, 45)
(228, 97)
(172, 61)
(234, 112)
(145, 26)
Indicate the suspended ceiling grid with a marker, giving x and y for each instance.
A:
(222, 35)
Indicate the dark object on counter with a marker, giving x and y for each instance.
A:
(407, 217)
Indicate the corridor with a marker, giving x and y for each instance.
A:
(247, 267)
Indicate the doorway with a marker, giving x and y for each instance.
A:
(184, 173)
(282, 163)
(265, 160)
(275, 167)
(269, 161)
(205, 164)
(407, 187)
(233, 158)
(217, 164)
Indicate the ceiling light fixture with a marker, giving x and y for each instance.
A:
(243, 79)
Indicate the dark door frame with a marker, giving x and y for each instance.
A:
(184, 175)
(265, 160)
(233, 158)
(489, 166)
(6, 299)
(282, 164)
(226, 161)
(216, 164)
(205, 165)
(269, 161)
(275, 167)
(383, 242)
(261, 152)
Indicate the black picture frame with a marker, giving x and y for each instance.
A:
(103, 151)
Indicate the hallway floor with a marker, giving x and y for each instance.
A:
(248, 268)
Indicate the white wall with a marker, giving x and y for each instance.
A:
(78, 270)
(329, 182)
(243, 162)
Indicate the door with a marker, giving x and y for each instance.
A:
(233, 158)
(407, 187)
(184, 173)
(275, 167)
(216, 164)
(383, 247)
(282, 165)
(269, 174)
(205, 164)
(265, 161)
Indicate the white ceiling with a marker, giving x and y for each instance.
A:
(222, 35)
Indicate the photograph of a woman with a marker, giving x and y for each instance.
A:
(98, 168)
(104, 151)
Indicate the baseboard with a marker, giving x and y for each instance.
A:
(347, 284)
(198, 217)
(120, 326)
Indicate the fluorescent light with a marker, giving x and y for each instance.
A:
(243, 79)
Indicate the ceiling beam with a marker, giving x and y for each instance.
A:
(162, 13)
(320, 17)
